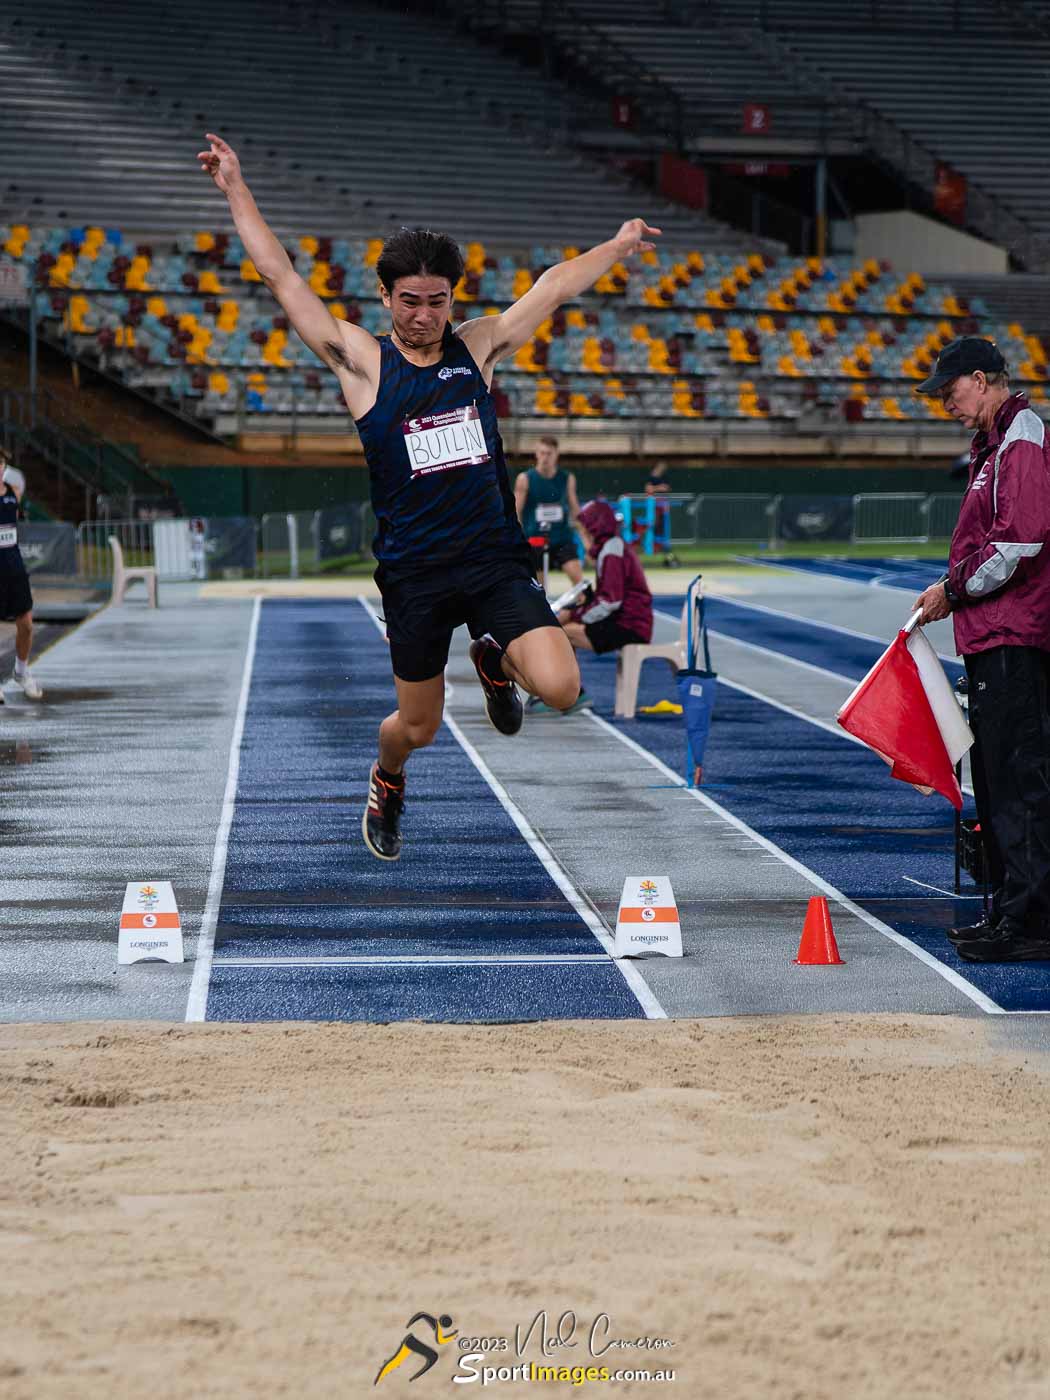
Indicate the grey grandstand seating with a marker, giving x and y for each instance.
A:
(105, 108)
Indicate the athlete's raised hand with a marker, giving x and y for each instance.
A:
(633, 237)
(220, 162)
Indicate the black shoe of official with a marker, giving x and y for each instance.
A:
(502, 701)
(966, 933)
(381, 822)
(1009, 942)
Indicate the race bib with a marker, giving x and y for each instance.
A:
(8, 536)
(437, 442)
(549, 515)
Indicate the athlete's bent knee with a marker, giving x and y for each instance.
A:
(563, 694)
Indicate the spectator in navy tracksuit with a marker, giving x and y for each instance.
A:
(998, 592)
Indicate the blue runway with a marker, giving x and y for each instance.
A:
(824, 800)
(468, 925)
(910, 575)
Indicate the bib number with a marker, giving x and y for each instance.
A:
(8, 536)
(549, 515)
(438, 442)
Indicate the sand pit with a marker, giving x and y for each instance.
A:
(842, 1207)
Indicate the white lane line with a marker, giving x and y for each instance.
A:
(976, 996)
(197, 1002)
(808, 622)
(543, 853)
(422, 960)
(950, 893)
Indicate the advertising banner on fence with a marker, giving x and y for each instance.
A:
(337, 531)
(48, 548)
(815, 517)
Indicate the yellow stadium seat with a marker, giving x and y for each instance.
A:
(135, 277)
(209, 282)
(522, 283)
(204, 242)
(309, 244)
(218, 382)
(229, 315)
(249, 272)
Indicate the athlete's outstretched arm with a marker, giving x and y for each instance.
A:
(12, 477)
(492, 338)
(337, 343)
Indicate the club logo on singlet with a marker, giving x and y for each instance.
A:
(437, 442)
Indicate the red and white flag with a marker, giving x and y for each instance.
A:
(904, 709)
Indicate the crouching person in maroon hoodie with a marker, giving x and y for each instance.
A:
(619, 610)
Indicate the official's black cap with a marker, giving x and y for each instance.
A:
(962, 356)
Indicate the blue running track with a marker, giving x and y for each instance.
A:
(911, 575)
(467, 926)
(824, 799)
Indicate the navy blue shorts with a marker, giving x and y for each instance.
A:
(15, 597)
(498, 596)
(608, 635)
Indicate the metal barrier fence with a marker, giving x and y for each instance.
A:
(305, 542)
(288, 544)
(302, 543)
(94, 556)
(883, 519)
(942, 511)
(745, 518)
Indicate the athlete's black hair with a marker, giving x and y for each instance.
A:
(419, 252)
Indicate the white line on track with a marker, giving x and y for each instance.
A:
(959, 983)
(197, 1002)
(543, 853)
(807, 621)
(937, 889)
(423, 960)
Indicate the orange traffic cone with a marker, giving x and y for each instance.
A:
(818, 947)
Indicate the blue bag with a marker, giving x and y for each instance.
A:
(697, 686)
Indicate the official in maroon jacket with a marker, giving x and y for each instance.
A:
(998, 592)
(619, 609)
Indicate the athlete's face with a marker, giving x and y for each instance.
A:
(546, 458)
(419, 309)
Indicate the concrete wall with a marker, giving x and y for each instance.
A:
(913, 243)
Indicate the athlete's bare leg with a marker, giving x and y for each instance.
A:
(542, 662)
(23, 636)
(577, 635)
(414, 723)
(574, 569)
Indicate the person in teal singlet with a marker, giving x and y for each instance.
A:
(547, 504)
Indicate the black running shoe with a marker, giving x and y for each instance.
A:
(502, 701)
(1007, 943)
(966, 933)
(381, 822)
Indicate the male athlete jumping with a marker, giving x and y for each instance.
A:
(448, 543)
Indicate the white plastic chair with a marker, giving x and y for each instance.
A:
(629, 661)
(123, 576)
